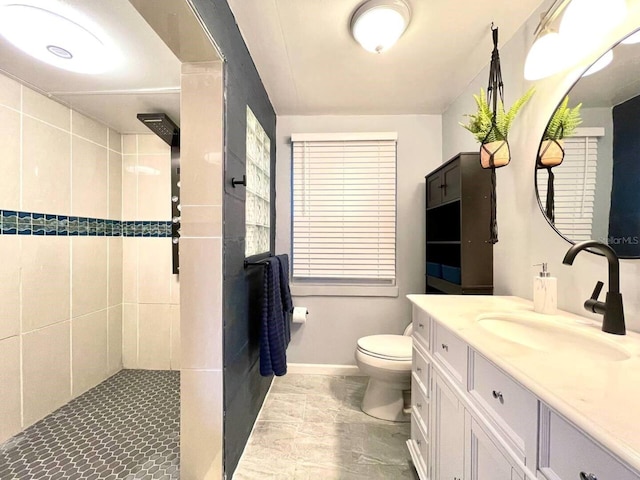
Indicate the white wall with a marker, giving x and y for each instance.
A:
(525, 236)
(335, 323)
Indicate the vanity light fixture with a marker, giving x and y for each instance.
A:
(58, 35)
(583, 24)
(378, 24)
(546, 56)
(631, 39)
(601, 63)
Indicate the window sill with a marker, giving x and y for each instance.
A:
(344, 290)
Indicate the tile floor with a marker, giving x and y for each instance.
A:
(128, 427)
(311, 428)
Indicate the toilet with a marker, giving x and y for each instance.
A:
(386, 359)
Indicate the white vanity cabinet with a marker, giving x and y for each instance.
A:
(448, 418)
(473, 421)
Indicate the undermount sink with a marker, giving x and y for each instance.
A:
(536, 333)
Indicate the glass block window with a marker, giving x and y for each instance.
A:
(258, 204)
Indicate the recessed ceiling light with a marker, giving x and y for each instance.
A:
(57, 35)
(378, 24)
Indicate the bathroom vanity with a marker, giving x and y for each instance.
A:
(502, 393)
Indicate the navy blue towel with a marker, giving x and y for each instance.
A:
(273, 342)
(285, 293)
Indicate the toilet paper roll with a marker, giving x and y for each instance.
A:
(300, 314)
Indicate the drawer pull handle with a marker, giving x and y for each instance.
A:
(587, 476)
(419, 405)
(498, 396)
(445, 347)
(421, 325)
(418, 369)
(419, 442)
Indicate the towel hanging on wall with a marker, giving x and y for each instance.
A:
(274, 329)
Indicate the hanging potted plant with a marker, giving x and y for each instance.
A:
(563, 123)
(491, 130)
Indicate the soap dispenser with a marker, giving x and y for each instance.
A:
(545, 292)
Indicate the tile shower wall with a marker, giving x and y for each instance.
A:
(60, 285)
(151, 295)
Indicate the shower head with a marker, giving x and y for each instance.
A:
(161, 125)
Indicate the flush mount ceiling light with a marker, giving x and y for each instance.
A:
(378, 24)
(57, 35)
(584, 23)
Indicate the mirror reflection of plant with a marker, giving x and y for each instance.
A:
(481, 123)
(564, 121)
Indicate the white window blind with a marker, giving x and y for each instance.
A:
(344, 208)
(575, 185)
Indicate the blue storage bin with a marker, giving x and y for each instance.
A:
(452, 274)
(434, 269)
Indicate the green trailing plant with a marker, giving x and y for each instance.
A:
(481, 123)
(564, 121)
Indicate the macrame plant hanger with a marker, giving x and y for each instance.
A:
(495, 89)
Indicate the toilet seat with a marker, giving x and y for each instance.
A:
(387, 347)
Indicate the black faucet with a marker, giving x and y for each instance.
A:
(611, 308)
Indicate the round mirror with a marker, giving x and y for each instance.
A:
(588, 164)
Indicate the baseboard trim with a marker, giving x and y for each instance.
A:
(323, 369)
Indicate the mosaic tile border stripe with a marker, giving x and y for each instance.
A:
(27, 223)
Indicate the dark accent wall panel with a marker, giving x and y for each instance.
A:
(624, 219)
(244, 388)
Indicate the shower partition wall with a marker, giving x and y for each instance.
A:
(244, 388)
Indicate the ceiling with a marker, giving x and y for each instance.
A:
(615, 84)
(148, 81)
(311, 65)
(304, 53)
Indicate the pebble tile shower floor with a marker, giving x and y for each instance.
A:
(311, 428)
(128, 427)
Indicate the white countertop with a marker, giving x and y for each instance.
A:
(601, 397)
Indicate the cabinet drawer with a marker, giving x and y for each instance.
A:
(421, 327)
(514, 408)
(419, 404)
(572, 456)
(452, 351)
(420, 370)
(421, 444)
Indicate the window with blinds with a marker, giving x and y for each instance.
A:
(575, 185)
(344, 208)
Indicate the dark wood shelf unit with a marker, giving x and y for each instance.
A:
(457, 221)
